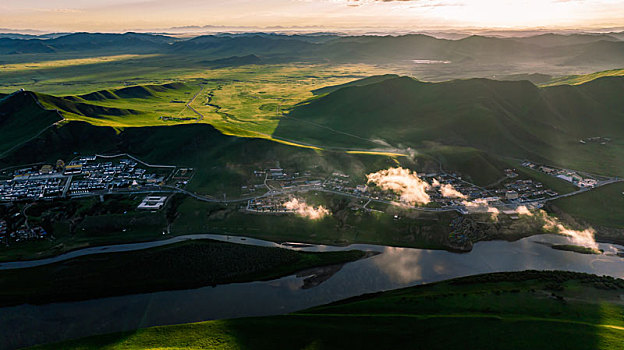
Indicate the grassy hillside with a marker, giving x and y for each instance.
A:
(509, 118)
(142, 105)
(522, 310)
(22, 119)
(603, 206)
(359, 82)
(186, 265)
(581, 79)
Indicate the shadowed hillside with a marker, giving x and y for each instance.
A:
(21, 118)
(508, 118)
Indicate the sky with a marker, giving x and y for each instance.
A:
(406, 15)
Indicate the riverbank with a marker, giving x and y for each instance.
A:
(394, 268)
(530, 310)
(184, 265)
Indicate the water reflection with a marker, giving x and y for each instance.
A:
(394, 268)
(400, 265)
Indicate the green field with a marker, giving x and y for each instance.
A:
(522, 310)
(185, 265)
(603, 206)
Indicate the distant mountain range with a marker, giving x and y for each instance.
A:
(558, 49)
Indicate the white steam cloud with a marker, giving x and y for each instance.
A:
(301, 208)
(411, 189)
(584, 237)
(481, 205)
(448, 191)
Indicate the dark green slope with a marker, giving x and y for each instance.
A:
(21, 119)
(139, 91)
(72, 105)
(519, 310)
(508, 118)
(359, 82)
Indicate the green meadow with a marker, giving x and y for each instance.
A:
(134, 90)
(603, 206)
(520, 310)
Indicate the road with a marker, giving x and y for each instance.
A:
(188, 104)
(272, 192)
(579, 191)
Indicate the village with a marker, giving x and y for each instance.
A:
(267, 190)
(469, 199)
(576, 178)
(84, 175)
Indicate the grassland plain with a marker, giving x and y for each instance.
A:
(519, 310)
(180, 266)
(245, 101)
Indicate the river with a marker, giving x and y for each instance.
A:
(394, 268)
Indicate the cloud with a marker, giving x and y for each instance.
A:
(301, 208)
(404, 182)
(448, 191)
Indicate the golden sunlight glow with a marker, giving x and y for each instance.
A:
(123, 15)
(68, 63)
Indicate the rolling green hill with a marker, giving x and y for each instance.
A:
(21, 119)
(506, 118)
(521, 310)
(140, 105)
